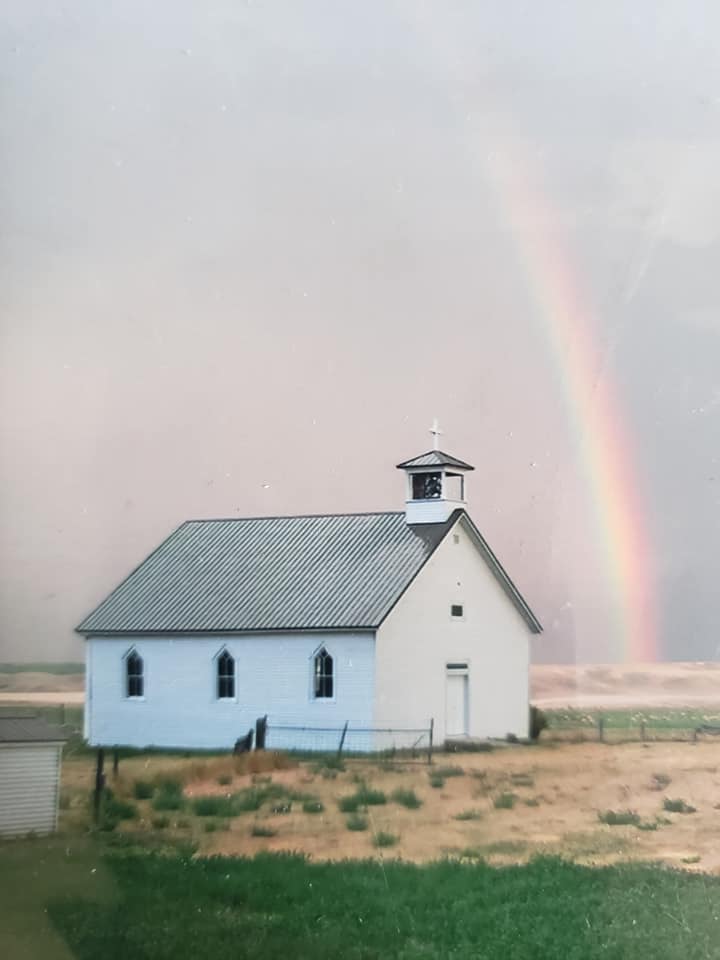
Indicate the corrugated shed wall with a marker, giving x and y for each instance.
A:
(29, 786)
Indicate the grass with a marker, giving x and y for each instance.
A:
(471, 814)
(363, 797)
(660, 723)
(356, 822)
(522, 780)
(436, 781)
(384, 839)
(678, 806)
(168, 795)
(161, 823)
(504, 801)
(224, 779)
(619, 818)
(406, 798)
(58, 669)
(143, 789)
(171, 908)
(449, 771)
(216, 806)
(312, 806)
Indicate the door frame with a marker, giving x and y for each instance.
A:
(459, 668)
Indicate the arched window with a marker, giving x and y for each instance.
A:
(134, 675)
(225, 676)
(323, 675)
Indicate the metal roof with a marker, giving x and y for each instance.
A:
(343, 571)
(17, 729)
(435, 458)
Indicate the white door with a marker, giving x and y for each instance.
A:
(456, 704)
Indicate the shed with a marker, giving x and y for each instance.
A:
(30, 762)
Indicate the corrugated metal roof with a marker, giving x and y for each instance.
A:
(435, 458)
(17, 729)
(342, 571)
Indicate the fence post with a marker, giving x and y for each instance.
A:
(116, 761)
(99, 783)
(260, 731)
(342, 739)
(601, 728)
(430, 740)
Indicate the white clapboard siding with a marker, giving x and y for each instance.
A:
(29, 784)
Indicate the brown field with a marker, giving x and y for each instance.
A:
(558, 793)
(587, 686)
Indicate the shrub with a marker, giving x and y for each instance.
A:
(210, 826)
(619, 818)
(532, 801)
(143, 789)
(356, 822)
(370, 798)
(349, 804)
(538, 722)
(168, 796)
(677, 806)
(406, 798)
(383, 839)
(257, 830)
(161, 822)
(648, 825)
(695, 858)
(64, 800)
(522, 780)
(449, 772)
(313, 806)
(251, 798)
(224, 779)
(213, 806)
(116, 809)
(468, 815)
(282, 808)
(504, 801)
(436, 781)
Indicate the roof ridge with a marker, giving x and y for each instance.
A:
(299, 516)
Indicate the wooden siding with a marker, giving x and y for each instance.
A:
(29, 786)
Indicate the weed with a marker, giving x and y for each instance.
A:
(406, 798)
(349, 804)
(471, 814)
(695, 858)
(356, 822)
(677, 806)
(384, 839)
(532, 801)
(436, 781)
(64, 800)
(282, 808)
(312, 806)
(224, 780)
(116, 809)
(660, 781)
(168, 796)
(258, 830)
(647, 825)
(161, 822)
(619, 818)
(522, 780)
(368, 797)
(210, 826)
(213, 806)
(143, 789)
(451, 771)
(504, 801)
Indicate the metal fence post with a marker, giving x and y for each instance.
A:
(116, 761)
(430, 740)
(99, 783)
(342, 739)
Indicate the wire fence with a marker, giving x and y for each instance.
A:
(625, 726)
(411, 743)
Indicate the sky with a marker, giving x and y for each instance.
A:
(248, 251)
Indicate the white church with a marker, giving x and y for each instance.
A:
(377, 620)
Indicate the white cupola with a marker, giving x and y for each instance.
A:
(435, 484)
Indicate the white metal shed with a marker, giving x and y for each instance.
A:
(30, 762)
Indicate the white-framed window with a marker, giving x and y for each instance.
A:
(225, 676)
(134, 675)
(323, 680)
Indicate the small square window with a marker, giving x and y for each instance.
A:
(456, 610)
(456, 538)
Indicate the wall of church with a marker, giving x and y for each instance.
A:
(180, 708)
(420, 637)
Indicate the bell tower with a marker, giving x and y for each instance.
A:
(435, 484)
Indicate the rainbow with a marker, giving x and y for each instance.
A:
(605, 453)
(564, 312)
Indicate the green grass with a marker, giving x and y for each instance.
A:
(619, 818)
(313, 806)
(504, 801)
(173, 908)
(213, 806)
(406, 798)
(161, 823)
(258, 830)
(449, 771)
(658, 721)
(436, 781)
(143, 789)
(168, 795)
(677, 806)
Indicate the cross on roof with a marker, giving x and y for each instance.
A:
(436, 434)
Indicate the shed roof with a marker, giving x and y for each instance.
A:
(435, 458)
(19, 729)
(339, 571)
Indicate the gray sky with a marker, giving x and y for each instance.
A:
(248, 251)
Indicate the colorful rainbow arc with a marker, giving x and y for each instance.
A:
(605, 450)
